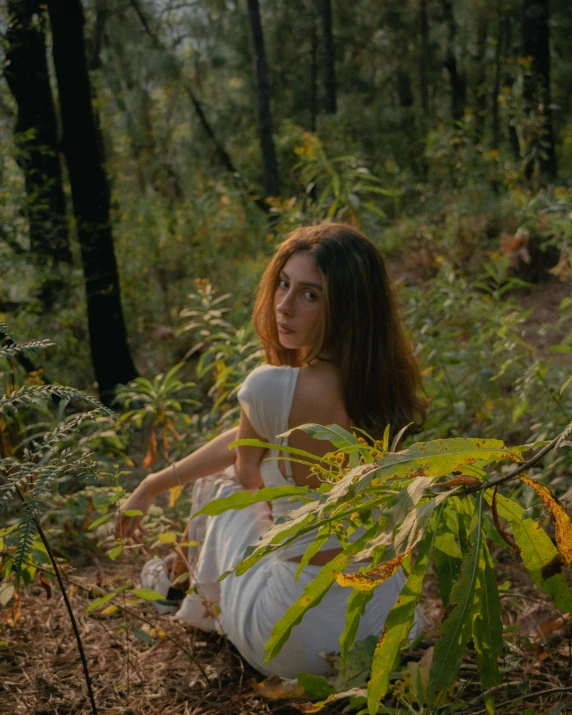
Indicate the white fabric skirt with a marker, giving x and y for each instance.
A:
(247, 607)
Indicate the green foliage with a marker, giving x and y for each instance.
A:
(226, 354)
(415, 508)
(32, 472)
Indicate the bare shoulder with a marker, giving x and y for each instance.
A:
(318, 397)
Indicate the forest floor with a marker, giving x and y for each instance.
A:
(142, 663)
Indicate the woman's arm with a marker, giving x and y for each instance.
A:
(208, 459)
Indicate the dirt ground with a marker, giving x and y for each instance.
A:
(178, 670)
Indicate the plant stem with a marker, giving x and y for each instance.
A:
(69, 610)
(521, 467)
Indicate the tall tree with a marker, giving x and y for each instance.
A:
(83, 149)
(36, 138)
(495, 113)
(456, 78)
(536, 90)
(313, 68)
(330, 102)
(424, 57)
(269, 163)
(480, 76)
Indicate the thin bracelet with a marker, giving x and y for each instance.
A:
(177, 474)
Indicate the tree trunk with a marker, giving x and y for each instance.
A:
(481, 78)
(270, 166)
(83, 150)
(424, 57)
(36, 138)
(495, 114)
(456, 78)
(330, 104)
(536, 90)
(313, 70)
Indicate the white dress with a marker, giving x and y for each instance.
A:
(247, 607)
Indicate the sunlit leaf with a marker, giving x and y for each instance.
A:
(243, 499)
(560, 517)
(147, 594)
(369, 580)
(114, 553)
(100, 602)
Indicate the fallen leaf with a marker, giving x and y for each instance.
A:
(47, 586)
(277, 688)
(151, 456)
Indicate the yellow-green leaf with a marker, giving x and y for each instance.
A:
(147, 594)
(114, 553)
(242, 499)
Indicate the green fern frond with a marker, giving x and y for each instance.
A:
(11, 351)
(5, 333)
(17, 479)
(27, 527)
(67, 429)
(32, 395)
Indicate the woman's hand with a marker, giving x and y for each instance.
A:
(127, 526)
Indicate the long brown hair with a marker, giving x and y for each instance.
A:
(361, 330)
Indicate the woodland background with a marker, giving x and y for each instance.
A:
(154, 152)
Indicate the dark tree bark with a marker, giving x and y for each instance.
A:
(456, 78)
(481, 78)
(536, 90)
(313, 70)
(269, 163)
(330, 103)
(404, 88)
(36, 137)
(509, 52)
(83, 149)
(495, 114)
(424, 60)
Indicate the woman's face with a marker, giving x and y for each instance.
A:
(299, 302)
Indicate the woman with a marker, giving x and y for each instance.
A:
(336, 353)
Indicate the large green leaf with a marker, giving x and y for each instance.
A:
(424, 459)
(413, 527)
(487, 624)
(402, 504)
(397, 626)
(355, 609)
(322, 536)
(456, 623)
(242, 499)
(537, 552)
(448, 559)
